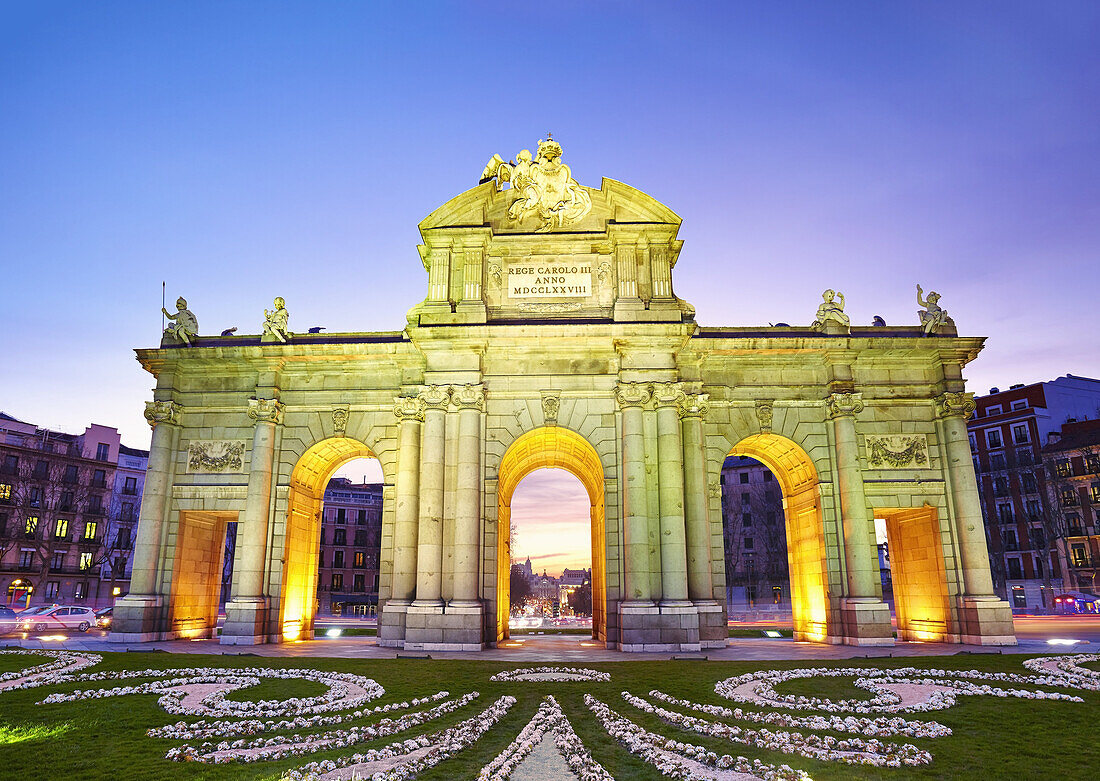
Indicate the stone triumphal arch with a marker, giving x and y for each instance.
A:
(551, 336)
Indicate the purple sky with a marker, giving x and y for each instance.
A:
(242, 151)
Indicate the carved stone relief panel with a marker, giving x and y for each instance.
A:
(898, 451)
(215, 456)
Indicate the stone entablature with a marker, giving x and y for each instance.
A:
(629, 392)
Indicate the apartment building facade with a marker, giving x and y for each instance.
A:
(1072, 460)
(68, 510)
(350, 546)
(754, 537)
(1007, 435)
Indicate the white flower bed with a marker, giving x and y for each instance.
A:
(183, 730)
(924, 690)
(426, 750)
(851, 751)
(1066, 671)
(879, 727)
(675, 759)
(282, 746)
(185, 692)
(63, 662)
(550, 718)
(553, 674)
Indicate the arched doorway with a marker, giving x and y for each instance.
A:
(20, 590)
(310, 477)
(805, 531)
(556, 448)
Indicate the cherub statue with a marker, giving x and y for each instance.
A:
(831, 311)
(185, 323)
(932, 316)
(275, 321)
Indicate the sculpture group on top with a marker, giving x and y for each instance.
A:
(545, 186)
(832, 318)
(185, 326)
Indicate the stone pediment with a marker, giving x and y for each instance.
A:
(486, 206)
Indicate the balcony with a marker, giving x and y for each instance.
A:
(89, 541)
(129, 491)
(96, 511)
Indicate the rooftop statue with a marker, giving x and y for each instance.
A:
(276, 320)
(831, 312)
(932, 316)
(185, 323)
(545, 186)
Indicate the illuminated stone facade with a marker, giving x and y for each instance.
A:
(551, 336)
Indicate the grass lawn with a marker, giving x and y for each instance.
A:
(993, 738)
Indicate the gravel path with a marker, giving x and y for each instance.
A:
(544, 763)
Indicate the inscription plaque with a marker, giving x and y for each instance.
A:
(549, 280)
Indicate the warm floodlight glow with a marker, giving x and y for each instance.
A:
(303, 528)
(551, 447)
(772, 633)
(334, 632)
(1062, 641)
(797, 476)
(918, 574)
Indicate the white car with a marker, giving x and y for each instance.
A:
(58, 617)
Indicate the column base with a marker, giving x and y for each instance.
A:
(246, 623)
(138, 618)
(391, 624)
(672, 626)
(986, 621)
(435, 627)
(713, 632)
(866, 621)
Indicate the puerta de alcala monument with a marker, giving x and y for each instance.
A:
(551, 336)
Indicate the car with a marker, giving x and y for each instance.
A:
(9, 621)
(103, 617)
(58, 617)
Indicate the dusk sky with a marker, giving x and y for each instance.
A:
(240, 151)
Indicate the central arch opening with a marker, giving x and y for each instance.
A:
(551, 447)
(333, 535)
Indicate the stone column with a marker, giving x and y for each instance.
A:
(632, 397)
(670, 454)
(628, 272)
(866, 616)
(410, 416)
(246, 613)
(429, 544)
(439, 274)
(984, 618)
(470, 400)
(661, 271)
(696, 521)
(137, 615)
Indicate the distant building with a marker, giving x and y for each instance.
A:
(1072, 464)
(351, 542)
(1007, 435)
(754, 537)
(69, 505)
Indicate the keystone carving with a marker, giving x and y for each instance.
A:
(339, 421)
(764, 415)
(162, 412)
(551, 403)
(408, 408)
(961, 404)
(632, 394)
(841, 404)
(265, 410)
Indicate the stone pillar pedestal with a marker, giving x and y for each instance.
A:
(246, 622)
(866, 621)
(985, 621)
(138, 618)
(713, 632)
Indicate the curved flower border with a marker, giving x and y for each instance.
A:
(552, 675)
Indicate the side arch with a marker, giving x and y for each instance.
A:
(552, 447)
(308, 479)
(806, 551)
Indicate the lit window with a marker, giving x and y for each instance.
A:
(359, 558)
(337, 581)
(85, 560)
(81, 591)
(1069, 497)
(31, 525)
(90, 530)
(61, 529)
(1063, 468)
(5, 491)
(1094, 493)
(116, 591)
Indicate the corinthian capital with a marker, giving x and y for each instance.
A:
(668, 394)
(961, 404)
(162, 412)
(694, 405)
(436, 396)
(468, 396)
(408, 408)
(632, 394)
(841, 404)
(265, 410)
